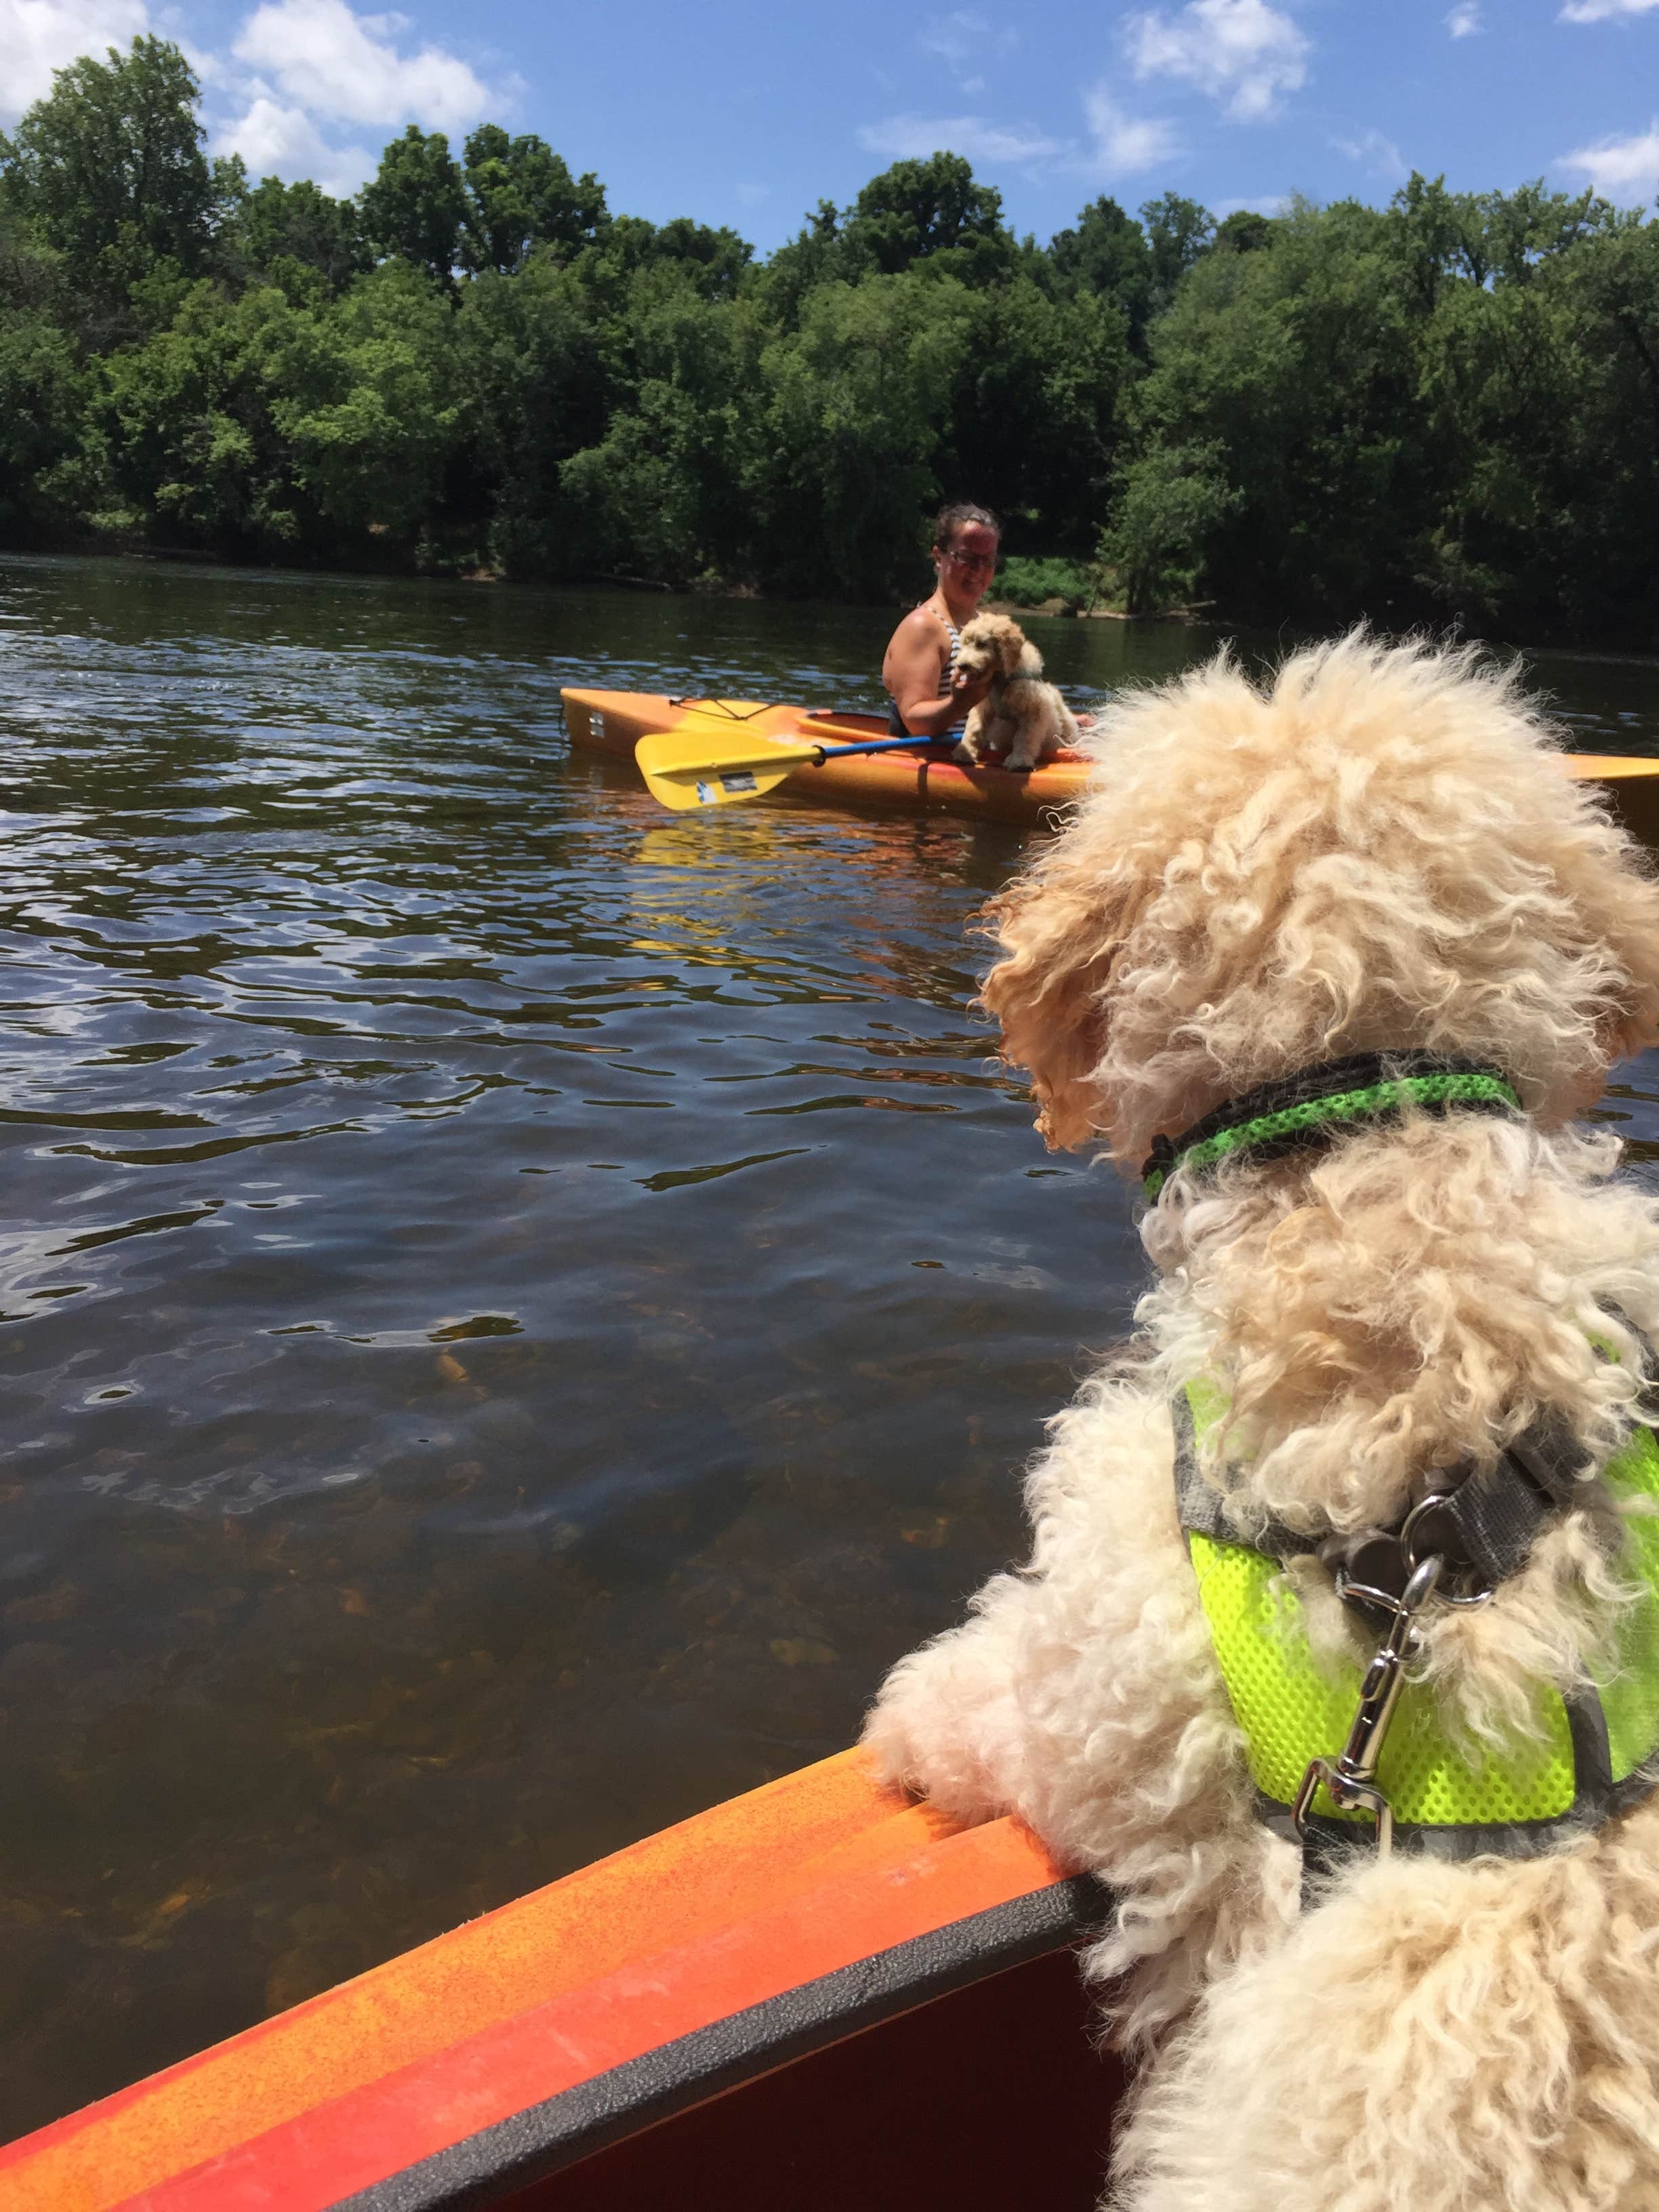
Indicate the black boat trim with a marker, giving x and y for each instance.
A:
(624, 2099)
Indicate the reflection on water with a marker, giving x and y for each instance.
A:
(517, 1308)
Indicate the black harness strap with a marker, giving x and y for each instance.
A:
(1484, 1524)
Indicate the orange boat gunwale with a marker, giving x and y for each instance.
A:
(541, 2140)
(643, 1986)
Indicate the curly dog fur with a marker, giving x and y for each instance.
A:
(1377, 851)
(1023, 721)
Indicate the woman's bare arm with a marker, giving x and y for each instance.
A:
(916, 660)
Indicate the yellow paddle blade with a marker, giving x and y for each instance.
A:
(686, 772)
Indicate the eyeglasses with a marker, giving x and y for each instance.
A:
(987, 562)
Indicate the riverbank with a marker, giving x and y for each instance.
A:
(1210, 616)
(1062, 611)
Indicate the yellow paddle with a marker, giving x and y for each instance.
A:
(687, 772)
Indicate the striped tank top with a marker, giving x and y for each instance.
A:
(896, 721)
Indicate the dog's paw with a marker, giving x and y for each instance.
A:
(889, 1747)
(964, 755)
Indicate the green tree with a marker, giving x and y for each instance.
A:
(371, 389)
(540, 383)
(1489, 238)
(1179, 233)
(1244, 231)
(110, 166)
(1032, 421)
(414, 206)
(930, 211)
(519, 195)
(668, 491)
(1446, 406)
(1106, 254)
(197, 456)
(1291, 372)
(43, 406)
(1609, 293)
(856, 411)
(716, 261)
(1543, 393)
(1519, 232)
(276, 221)
(1171, 501)
(31, 274)
(815, 255)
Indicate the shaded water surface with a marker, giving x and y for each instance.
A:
(516, 1307)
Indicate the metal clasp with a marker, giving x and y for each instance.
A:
(1466, 1593)
(1349, 1779)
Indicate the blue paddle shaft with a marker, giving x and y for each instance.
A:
(878, 745)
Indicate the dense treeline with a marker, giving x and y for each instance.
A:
(1446, 408)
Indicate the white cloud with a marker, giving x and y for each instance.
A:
(1118, 145)
(1464, 20)
(1378, 154)
(913, 137)
(283, 142)
(40, 36)
(1625, 169)
(1276, 206)
(297, 71)
(1601, 11)
(962, 38)
(212, 69)
(330, 62)
(1124, 145)
(1242, 52)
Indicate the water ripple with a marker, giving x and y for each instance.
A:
(446, 1440)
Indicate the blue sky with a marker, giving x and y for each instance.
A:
(748, 115)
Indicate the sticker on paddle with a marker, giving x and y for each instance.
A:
(725, 786)
(686, 773)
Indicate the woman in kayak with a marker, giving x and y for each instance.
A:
(929, 699)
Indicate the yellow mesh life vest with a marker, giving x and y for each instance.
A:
(1592, 1754)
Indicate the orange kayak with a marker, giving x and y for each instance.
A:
(922, 782)
(1632, 785)
(816, 1996)
(614, 721)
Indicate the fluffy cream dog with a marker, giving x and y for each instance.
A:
(1023, 721)
(1377, 855)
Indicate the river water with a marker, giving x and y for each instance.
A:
(516, 1306)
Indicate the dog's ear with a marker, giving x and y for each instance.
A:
(1047, 991)
(1011, 644)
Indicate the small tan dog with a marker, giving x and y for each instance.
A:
(1023, 721)
(1345, 957)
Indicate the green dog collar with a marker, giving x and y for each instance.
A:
(1321, 1103)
